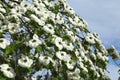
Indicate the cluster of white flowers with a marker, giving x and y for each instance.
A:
(60, 39)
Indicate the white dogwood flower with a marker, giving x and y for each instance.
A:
(49, 28)
(33, 43)
(4, 43)
(58, 42)
(58, 19)
(90, 38)
(25, 62)
(3, 66)
(68, 46)
(77, 52)
(51, 16)
(13, 28)
(69, 10)
(71, 35)
(76, 21)
(63, 56)
(45, 60)
(7, 71)
(99, 55)
(85, 69)
(36, 19)
(95, 35)
(93, 56)
(74, 75)
(17, 11)
(25, 5)
(70, 64)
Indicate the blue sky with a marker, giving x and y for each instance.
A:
(103, 17)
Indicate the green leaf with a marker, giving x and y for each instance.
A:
(39, 49)
(29, 12)
(8, 51)
(86, 30)
(8, 10)
(74, 58)
(13, 47)
(12, 20)
(2, 77)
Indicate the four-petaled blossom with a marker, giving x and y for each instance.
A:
(7, 71)
(63, 56)
(45, 60)
(25, 62)
(58, 42)
(74, 75)
(4, 43)
(68, 46)
(33, 43)
(90, 38)
(58, 19)
(13, 28)
(39, 21)
(70, 64)
(49, 28)
(71, 35)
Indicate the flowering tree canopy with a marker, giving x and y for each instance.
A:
(47, 40)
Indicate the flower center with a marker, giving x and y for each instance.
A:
(25, 60)
(62, 54)
(17, 11)
(8, 69)
(68, 44)
(35, 5)
(60, 43)
(50, 27)
(70, 8)
(1, 41)
(46, 57)
(34, 40)
(25, 5)
(55, 18)
(13, 28)
(90, 37)
(70, 62)
(38, 9)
